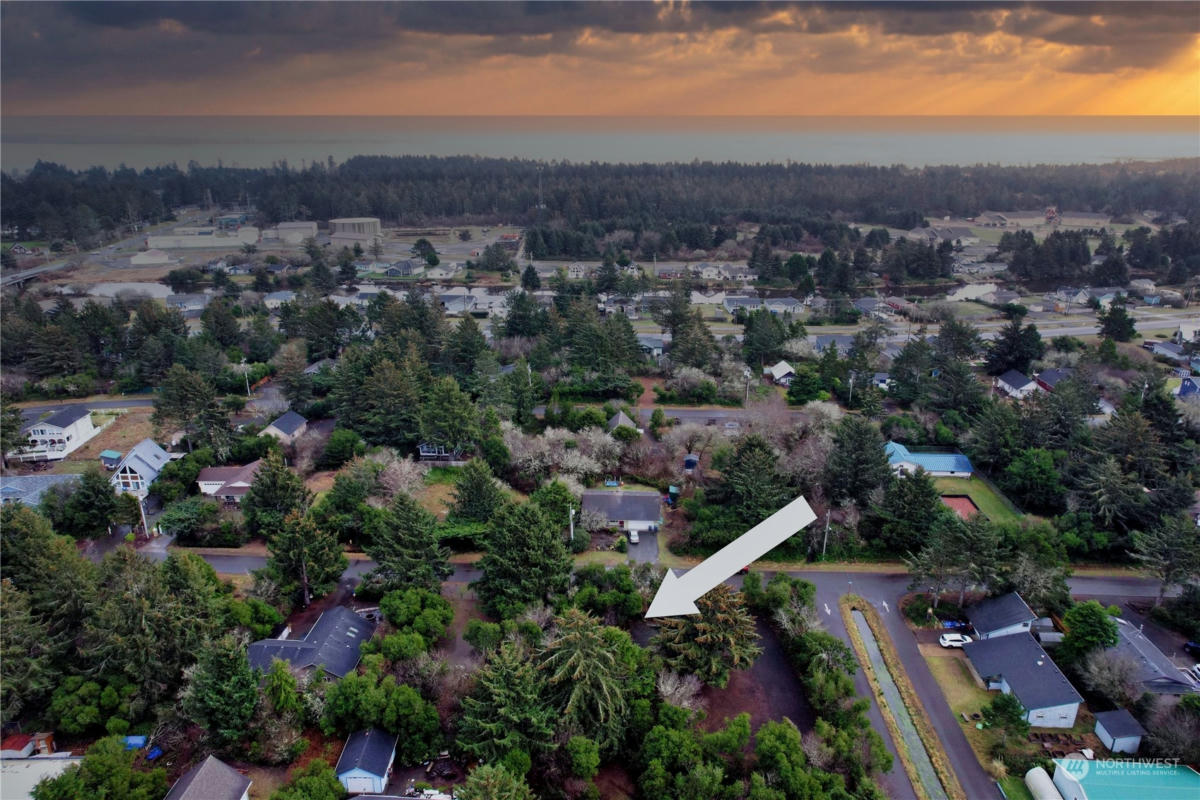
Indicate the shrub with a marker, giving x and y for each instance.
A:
(483, 636)
(418, 610)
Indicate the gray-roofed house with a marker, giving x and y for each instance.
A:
(139, 468)
(228, 484)
(1156, 673)
(734, 302)
(620, 420)
(332, 644)
(783, 305)
(404, 268)
(28, 489)
(841, 341)
(1119, 731)
(627, 510)
(1018, 665)
(188, 303)
(1047, 379)
(211, 779)
(366, 761)
(57, 436)
(652, 345)
(274, 300)
(1015, 384)
(872, 307)
(782, 373)
(287, 428)
(1005, 615)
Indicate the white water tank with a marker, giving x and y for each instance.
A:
(1040, 786)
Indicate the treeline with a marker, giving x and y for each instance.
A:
(60, 203)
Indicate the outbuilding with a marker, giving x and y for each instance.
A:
(366, 761)
(1015, 384)
(287, 428)
(1119, 731)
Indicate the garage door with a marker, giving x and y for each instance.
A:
(356, 784)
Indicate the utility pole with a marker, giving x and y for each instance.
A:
(571, 521)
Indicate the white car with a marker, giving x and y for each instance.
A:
(953, 639)
(633, 537)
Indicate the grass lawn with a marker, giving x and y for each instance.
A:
(1015, 788)
(991, 503)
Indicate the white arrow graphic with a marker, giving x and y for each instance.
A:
(677, 596)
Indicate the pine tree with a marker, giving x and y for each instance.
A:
(306, 556)
(1170, 551)
(526, 559)
(448, 417)
(289, 373)
(588, 681)
(857, 465)
(909, 503)
(489, 782)
(404, 544)
(530, 281)
(27, 672)
(91, 508)
(508, 710)
(710, 645)
(464, 347)
(392, 399)
(752, 484)
(223, 692)
(275, 493)
(477, 494)
(220, 323)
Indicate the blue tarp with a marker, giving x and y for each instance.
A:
(135, 742)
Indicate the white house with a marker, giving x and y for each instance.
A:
(211, 779)
(1005, 615)
(1015, 385)
(947, 465)
(1119, 731)
(274, 300)
(628, 511)
(366, 761)
(228, 484)
(57, 436)
(287, 428)
(782, 373)
(139, 468)
(1018, 665)
(149, 257)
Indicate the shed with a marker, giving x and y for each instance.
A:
(1119, 731)
(110, 458)
(287, 428)
(690, 462)
(366, 761)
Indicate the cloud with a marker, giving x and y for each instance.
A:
(63, 57)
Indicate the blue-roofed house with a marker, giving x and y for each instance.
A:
(903, 460)
(28, 489)
(1188, 390)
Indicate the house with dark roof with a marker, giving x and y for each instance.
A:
(1014, 384)
(332, 644)
(273, 300)
(651, 345)
(366, 761)
(626, 510)
(782, 373)
(1049, 378)
(287, 428)
(211, 779)
(56, 436)
(1156, 673)
(139, 468)
(1119, 731)
(952, 465)
(28, 489)
(1005, 615)
(228, 484)
(841, 341)
(1018, 665)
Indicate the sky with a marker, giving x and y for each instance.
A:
(605, 59)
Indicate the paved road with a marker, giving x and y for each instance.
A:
(32, 413)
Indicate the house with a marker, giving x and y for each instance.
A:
(1188, 390)
(211, 779)
(783, 305)
(872, 307)
(28, 489)
(1018, 665)
(881, 381)
(1080, 779)
(1001, 297)
(19, 776)
(735, 302)
(715, 298)
(110, 459)
(188, 303)
(404, 268)
(903, 460)
(628, 511)
(228, 484)
(620, 420)
(653, 346)
(139, 468)
(1156, 673)
(1083, 219)
(287, 428)
(56, 436)
(1187, 332)
(577, 271)
(441, 273)
(274, 300)
(1119, 731)
(320, 364)
(332, 644)
(1048, 379)
(842, 342)
(1168, 350)
(1005, 615)
(782, 373)
(366, 761)
(457, 304)
(20, 250)
(147, 257)
(1015, 385)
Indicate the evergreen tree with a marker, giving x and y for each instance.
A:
(526, 559)
(11, 437)
(289, 373)
(223, 692)
(530, 281)
(588, 681)
(275, 493)
(477, 494)
(1006, 713)
(857, 465)
(910, 502)
(464, 347)
(306, 557)
(1116, 324)
(27, 671)
(509, 709)
(940, 562)
(1089, 627)
(1170, 551)
(392, 398)
(957, 341)
(752, 484)
(89, 510)
(219, 322)
(321, 278)
(1015, 347)
(911, 371)
(404, 544)
(488, 782)
(448, 417)
(106, 771)
(710, 645)
(317, 781)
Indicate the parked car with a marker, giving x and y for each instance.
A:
(633, 537)
(1192, 648)
(953, 639)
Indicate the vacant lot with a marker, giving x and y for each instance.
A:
(125, 431)
(991, 503)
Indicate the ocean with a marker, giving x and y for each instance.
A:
(82, 142)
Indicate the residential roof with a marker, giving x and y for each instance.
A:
(63, 418)
(1015, 379)
(781, 370)
(211, 779)
(110, 454)
(1051, 377)
(146, 458)
(1157, 673)
(188, 299)
(370, 750)
(930, 462)
(841, 341)
(333, 643)
(1120, 723)
(995, 613)
(1033, 677)
(620, 418)
(623, 505)
(1116, 780)
(235, 481)
(289, 423)
(652, 341)
(28, 489)
(284, 295)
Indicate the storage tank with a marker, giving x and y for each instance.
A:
(1040, 786)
